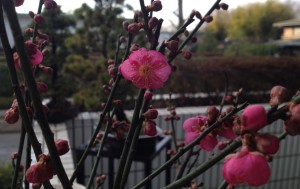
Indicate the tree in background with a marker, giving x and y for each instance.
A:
(254, 22)
(243, 30)
(91, 46)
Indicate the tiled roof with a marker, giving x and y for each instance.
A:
(287, 23)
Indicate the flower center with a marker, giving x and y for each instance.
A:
(145, 71)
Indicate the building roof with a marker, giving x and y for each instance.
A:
(287, 23)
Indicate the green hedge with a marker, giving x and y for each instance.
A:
(251, 73)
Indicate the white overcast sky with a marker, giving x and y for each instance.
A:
(168, 6)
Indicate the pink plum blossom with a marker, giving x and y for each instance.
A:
(247, 167)
(194, 127)
(146, 69)
(267, 143)
(254, 117)
(35, 55)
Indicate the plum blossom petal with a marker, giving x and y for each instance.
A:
(255, 170)
(190, 137)
(146, 69)
(254, 117)
(209, 142)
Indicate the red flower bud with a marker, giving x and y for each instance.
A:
(278, 95)
(208, 19)
(29, 31)
(152, 23)
(151, 114)
(18, 2)
(62, 146)
(187, 54)
(155, 6)
(39, 19)
(148, 95)
(150, 128)
(224, 6)
(38, 173)
(11, 116)
(198, 15)
(41, 87)
(172, 45)
(212, 113)
(50, 4)
(134, 28)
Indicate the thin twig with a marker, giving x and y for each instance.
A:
(35, 96)
(188, 147)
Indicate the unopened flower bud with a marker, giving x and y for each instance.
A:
(194, 39)
(187, 54)
(100, 179)
(18, 2)
(99, 136)
(31, 14)
(186, 33)
(137, 15)
(155, 6)
(171, 152)
(192, 14)
(41, 87)
(221, 145)
(198, 15)
(148, 95)
(11, 116)
(122, 39)
(62, 146)
(14, 155)
(29, 31)
(117, 102)
(208, 19)
(151, 114)
(172, 45)
(152, 23)
(125, 25)
(278, 95)
(224, 6)
(45, 69)
(134, 47)
(212, 113)
(38, 19)
(50, 4)
(134, 28)
(150, 128)
(180, 144)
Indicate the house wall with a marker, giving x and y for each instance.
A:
(291, 33)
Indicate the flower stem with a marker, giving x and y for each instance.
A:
(129, 138)
(195, 30)
(102, 116)
(133, 145)
(203, 167)
(37, 104)
(100, 149)
(188, 147)
(19, 157)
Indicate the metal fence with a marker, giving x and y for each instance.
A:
(285, 166)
